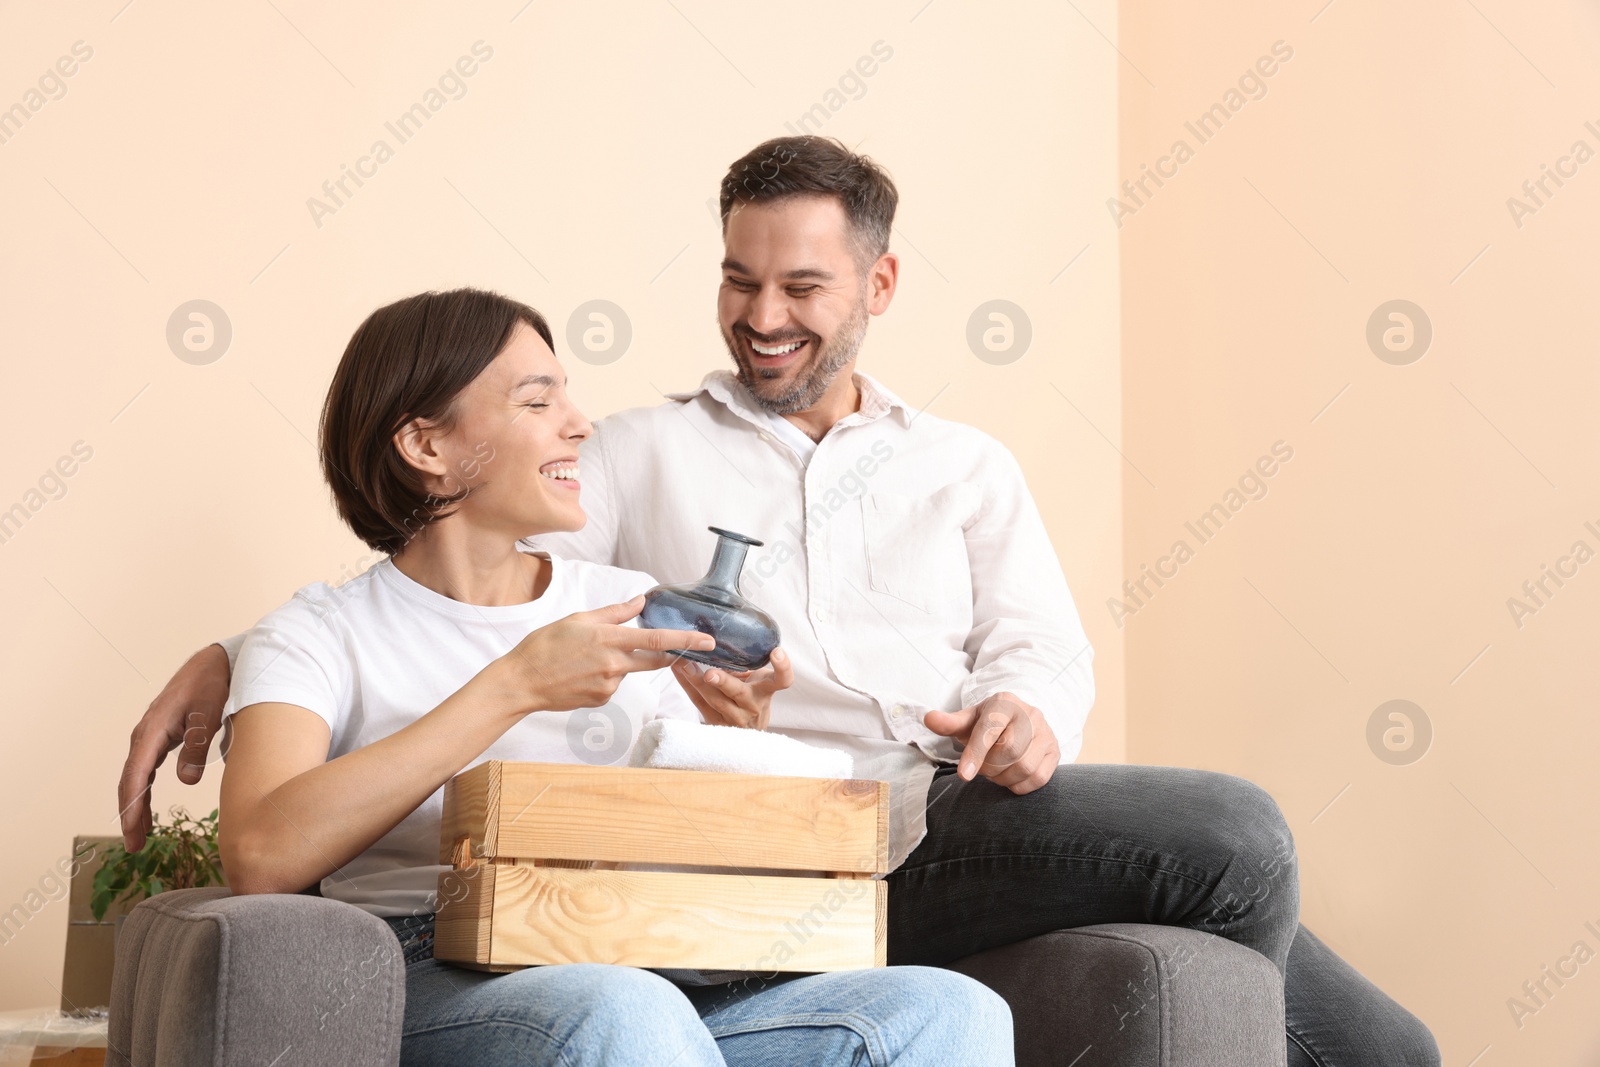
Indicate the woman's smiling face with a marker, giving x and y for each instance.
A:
(514, 443)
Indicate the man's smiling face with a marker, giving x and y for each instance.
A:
(793, 305)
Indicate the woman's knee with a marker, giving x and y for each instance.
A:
(594, 1012)
(933, 1015)
(614, 1006)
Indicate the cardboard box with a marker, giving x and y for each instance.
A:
(91, 944)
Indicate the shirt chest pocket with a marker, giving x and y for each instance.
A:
(917, 548)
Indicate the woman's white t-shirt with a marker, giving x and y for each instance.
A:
(381, 651)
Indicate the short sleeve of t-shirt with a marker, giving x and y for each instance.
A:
(294, 656)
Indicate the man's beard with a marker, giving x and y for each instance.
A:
(812, 380)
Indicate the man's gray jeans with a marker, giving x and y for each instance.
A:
(1104, 843)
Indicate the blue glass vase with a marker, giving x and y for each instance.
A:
(745, 634)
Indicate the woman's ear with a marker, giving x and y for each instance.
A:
(418, 444)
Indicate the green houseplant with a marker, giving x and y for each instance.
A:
(181, 854)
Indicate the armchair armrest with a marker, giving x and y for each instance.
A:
(207, 979)
(1128, 995)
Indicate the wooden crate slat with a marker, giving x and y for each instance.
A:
(471, 809)
(544, 915)
(755, 822)
(464, 914)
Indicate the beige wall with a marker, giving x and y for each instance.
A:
(577, 166)
(1379, 565)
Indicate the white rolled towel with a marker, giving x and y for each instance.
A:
(696, 746)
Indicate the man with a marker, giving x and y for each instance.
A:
(930, 626)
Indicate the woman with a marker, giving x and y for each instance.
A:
(448, 436)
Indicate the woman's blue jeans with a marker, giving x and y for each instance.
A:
(594, 1013)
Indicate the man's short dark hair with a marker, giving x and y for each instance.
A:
(408, 360)
(809, 165)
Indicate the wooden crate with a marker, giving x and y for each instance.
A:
(533, 849)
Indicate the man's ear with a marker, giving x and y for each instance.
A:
(881, 282)
(417, 442)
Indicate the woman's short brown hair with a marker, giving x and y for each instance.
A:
(408, 360)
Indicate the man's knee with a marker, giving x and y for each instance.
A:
(1419, 1048)
(1241, 818)
(1405, 1040)
(1240, 833)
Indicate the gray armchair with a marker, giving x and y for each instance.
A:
(206, 979)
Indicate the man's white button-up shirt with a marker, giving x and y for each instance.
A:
(904, 561)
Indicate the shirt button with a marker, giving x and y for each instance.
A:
(899, 710)
(765, 436)
(822, 615)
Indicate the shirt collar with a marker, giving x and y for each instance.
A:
(724, 386)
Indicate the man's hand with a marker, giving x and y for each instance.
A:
(735, 698)
(1007, 741)
(187, 712)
